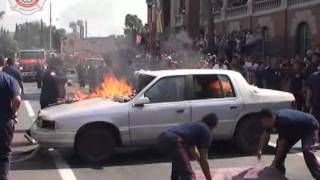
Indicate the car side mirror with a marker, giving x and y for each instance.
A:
(141, 102)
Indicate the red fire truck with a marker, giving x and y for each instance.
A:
(31, 63)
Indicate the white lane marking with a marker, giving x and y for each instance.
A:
(64, 170)
(29, 108)
(298, 153)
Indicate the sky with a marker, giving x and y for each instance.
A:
(105, 17)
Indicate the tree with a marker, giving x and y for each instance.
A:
(37, 35)
(73, 26)
(133, 24)
(2, 14)
(8, 46)
(81, 28)
(58, 36)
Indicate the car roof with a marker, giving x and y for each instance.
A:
(183, 72)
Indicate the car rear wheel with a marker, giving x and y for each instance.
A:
(248, 135)
(95, 145)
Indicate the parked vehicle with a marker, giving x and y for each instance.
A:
(31, 63)
(95, 127)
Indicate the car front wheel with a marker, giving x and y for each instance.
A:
(95, 145)
(248, 135)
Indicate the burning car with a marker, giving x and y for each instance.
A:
(96, 125)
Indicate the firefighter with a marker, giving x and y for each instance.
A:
(53, 83)
(292, 126)
(9, 103)
(13, 71)
(39, 70)
(185, 141)
(81, 71)
(93, 77)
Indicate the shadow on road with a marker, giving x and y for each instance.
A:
(257, 174)
(42, 159)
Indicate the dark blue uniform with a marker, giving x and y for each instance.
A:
(176, 143)
(293, 126)
(314, 84)
(53, 87)
(8, 90)
(15, 73)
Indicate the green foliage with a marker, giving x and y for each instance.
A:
(73, 26)
(37, 34)
(57, 37)
(8, 46)
(133, 24)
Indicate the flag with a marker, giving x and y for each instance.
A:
(159, 21)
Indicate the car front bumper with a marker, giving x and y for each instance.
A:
(52, 138)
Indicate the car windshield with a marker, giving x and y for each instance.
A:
(142, 81)
(32, 55)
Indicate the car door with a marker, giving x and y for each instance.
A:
(168, 107)
(216, 94)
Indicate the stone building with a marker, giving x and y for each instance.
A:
(288, 27)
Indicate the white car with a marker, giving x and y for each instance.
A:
(95, 127)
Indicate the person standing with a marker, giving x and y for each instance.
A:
(81, 72)
(273, 75)
(190, 139)
(313, 64)
(9, 103)
(313, 95)
(53, 84)
(2, 63)
(291, 126)
(13, 71)
(93, 77)
(296, 83)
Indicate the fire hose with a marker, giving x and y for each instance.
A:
(28, 155)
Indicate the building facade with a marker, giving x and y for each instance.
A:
(289, 27)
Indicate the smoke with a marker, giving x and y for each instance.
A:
(180, 46)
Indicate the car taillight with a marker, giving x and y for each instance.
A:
(294, 105)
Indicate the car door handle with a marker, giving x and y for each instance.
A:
(233, 107)
(180, 111)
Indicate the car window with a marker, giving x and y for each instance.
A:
(227, 86)
(170, 89)
(212, 87)
(207, 87)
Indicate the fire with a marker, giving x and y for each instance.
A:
(110, 88)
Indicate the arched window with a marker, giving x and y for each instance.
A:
(265, 40)
(303, 39)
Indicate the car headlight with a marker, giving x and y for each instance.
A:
(46, 124)
(20, 68)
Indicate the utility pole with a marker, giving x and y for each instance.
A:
(211, 27)
(50, 28)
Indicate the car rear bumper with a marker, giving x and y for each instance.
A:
(52, 138)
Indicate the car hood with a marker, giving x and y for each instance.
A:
(82, 108)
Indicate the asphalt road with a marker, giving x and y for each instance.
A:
(31, 163)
